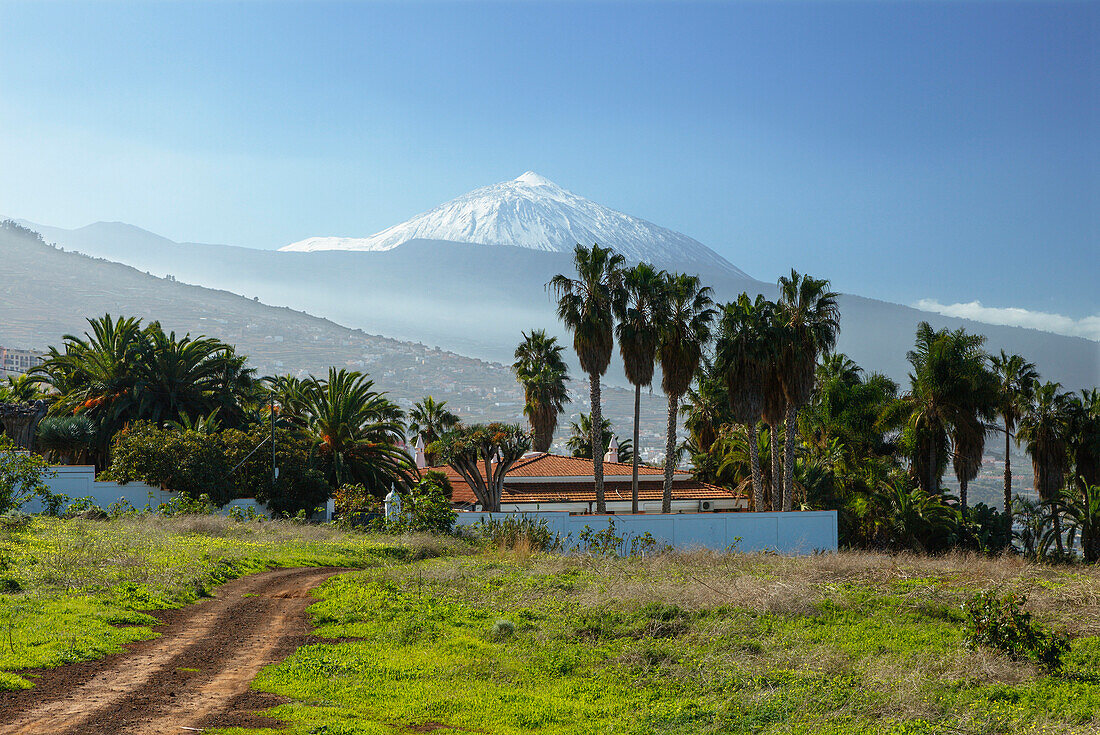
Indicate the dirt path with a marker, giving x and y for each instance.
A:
(195, 675)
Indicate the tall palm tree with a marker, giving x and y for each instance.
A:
(684, 332)
(1044, 428)
(980, 409)
(430, 419)
(1015, 378)
(809, 312)
(541, 370)
(742, 354)
(355, 429)
(638, 310)
(586, 307)
(775, 412)
(947, 372)
(1084, 438)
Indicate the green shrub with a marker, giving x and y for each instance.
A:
(512, 530)
(22, 475)
(1001, 623)
(182, 505)
(427, 506)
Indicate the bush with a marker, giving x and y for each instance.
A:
(427, 506)
(298, 491)
(182, 505)
(1001, 623)
(987, 529)
(22, 476)
(183, 460)
(511, 530)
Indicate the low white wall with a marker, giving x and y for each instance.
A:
(78, 481)
(799, 532)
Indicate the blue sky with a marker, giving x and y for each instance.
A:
(945, 151)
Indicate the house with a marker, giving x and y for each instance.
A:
(551, 482)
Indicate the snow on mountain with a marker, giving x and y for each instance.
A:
(535, 213)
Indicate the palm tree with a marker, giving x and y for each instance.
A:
(638, 309)
(21, 389)
(1084, 438)
(428, 420)
(684, 332)
(1015, 378)
(541, 370)
(1082, 516)
(120, 372)
(355, 430)
(948, 368)
(1044, 427)
(579, 441)
(808, 311)
(968, 432)
(586, 307)
(742, 353)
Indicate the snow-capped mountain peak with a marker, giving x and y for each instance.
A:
(530, 211)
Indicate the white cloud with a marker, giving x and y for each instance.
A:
(1088, 327)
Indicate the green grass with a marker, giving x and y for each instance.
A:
(697, 643)
(73, 590)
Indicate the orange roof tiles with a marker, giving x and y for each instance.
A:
(554, 467)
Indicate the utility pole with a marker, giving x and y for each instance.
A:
(274, 469)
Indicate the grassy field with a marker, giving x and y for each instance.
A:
(73, 590)
(691, 643)
(430, 637)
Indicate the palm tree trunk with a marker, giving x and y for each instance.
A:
(670, 453)
(777, 475)
(932, 462)
(788, 458)
(963, 482)
(595, 438)
(1008, 487)
(757, 473)
(1058, 533)
(634, 471)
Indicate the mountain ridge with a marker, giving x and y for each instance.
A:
(531, 212)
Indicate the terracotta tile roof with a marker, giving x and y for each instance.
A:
(554, 490)
(544, 464)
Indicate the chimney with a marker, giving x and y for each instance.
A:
(612, 451)
(421, 458)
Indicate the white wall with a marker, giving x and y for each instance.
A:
(800, 532)
(78, 481)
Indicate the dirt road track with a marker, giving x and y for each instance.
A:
(195, 675)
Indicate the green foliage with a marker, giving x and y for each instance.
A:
(987, 528)
(515, 530)
(67, 439)
(471, 451)
(182, 505)
(120, 372)
(1001, 623)
(541, 370)
(298, 490)
(579, 441)
(427, 505)
(584, 644)
(182, 460)
(22, 476)
(353, 430)
(354, 498)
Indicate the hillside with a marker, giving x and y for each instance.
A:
(46, 292)
(410, 292)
